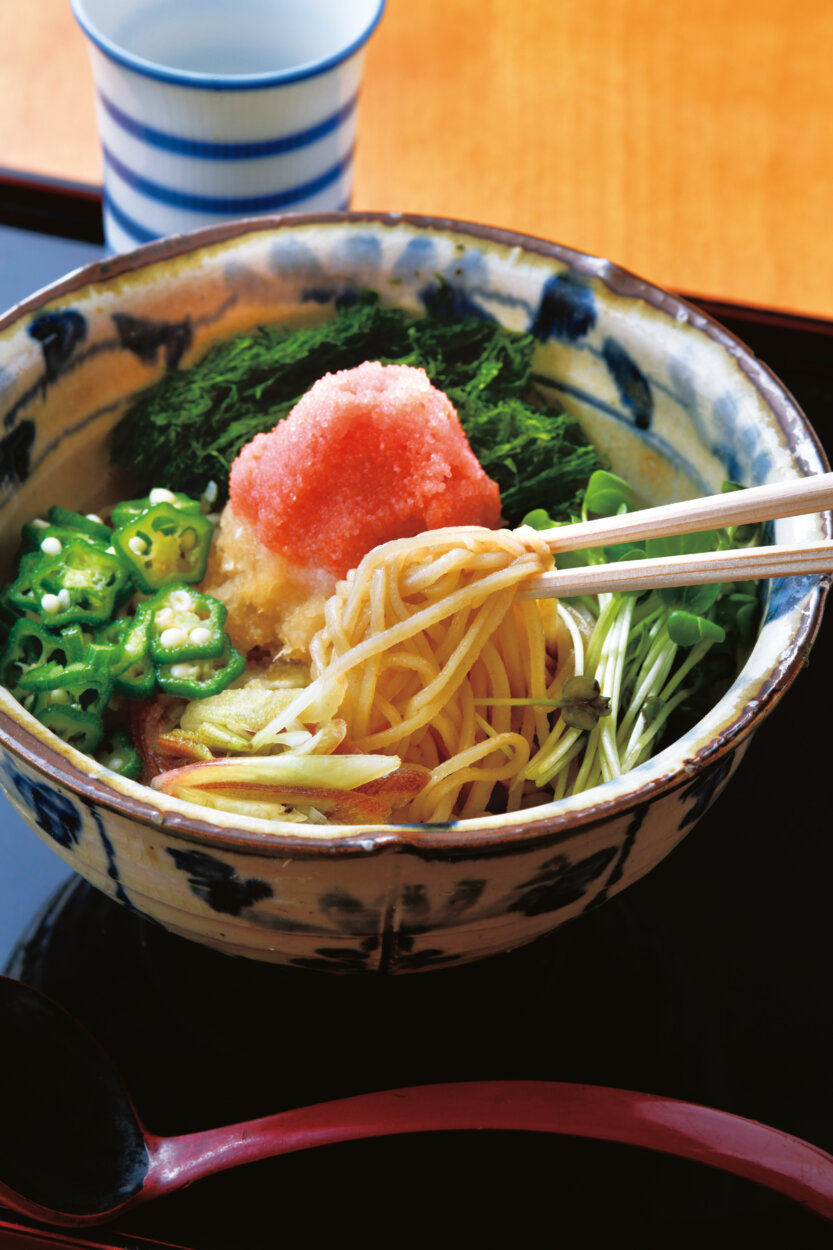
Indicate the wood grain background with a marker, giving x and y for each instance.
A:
(690, 142)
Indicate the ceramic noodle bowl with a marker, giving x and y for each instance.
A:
(675, 403)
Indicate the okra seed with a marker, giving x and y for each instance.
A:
(93, 516)
(51, 546)
(173, 637)
(159, 494)
(163, 617)
(199, 635)
(187, 671)
(116, 762)
(137, 545)
(64, 598)
(50, 604)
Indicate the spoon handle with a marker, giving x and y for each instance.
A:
(787, 1164)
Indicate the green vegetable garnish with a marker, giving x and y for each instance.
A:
(582, 703)
(185, 625)
(199, 679)
(607, 494)
(165, 543)
(117, 752)
(71, 643)
(81, 582)
(188, 428)
(650, 655)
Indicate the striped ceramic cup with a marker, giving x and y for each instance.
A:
(211, 109)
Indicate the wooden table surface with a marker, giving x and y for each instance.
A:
(690, 142)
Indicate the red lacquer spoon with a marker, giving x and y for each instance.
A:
(73, 1150)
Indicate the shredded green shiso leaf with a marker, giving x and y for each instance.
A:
(187, 428)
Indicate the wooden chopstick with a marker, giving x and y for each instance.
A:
(740, 507)
(741, 564)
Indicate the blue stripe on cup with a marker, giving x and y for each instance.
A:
(199, 148)
(137, 233)
(134, 229)
(235, 205)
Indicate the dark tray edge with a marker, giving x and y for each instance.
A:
(72, 210)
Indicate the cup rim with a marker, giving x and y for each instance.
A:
(220, 82)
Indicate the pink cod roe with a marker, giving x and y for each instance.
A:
(367, 455)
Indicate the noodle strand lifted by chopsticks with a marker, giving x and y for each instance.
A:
(429, 656)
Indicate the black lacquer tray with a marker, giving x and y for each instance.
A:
(707, 981)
